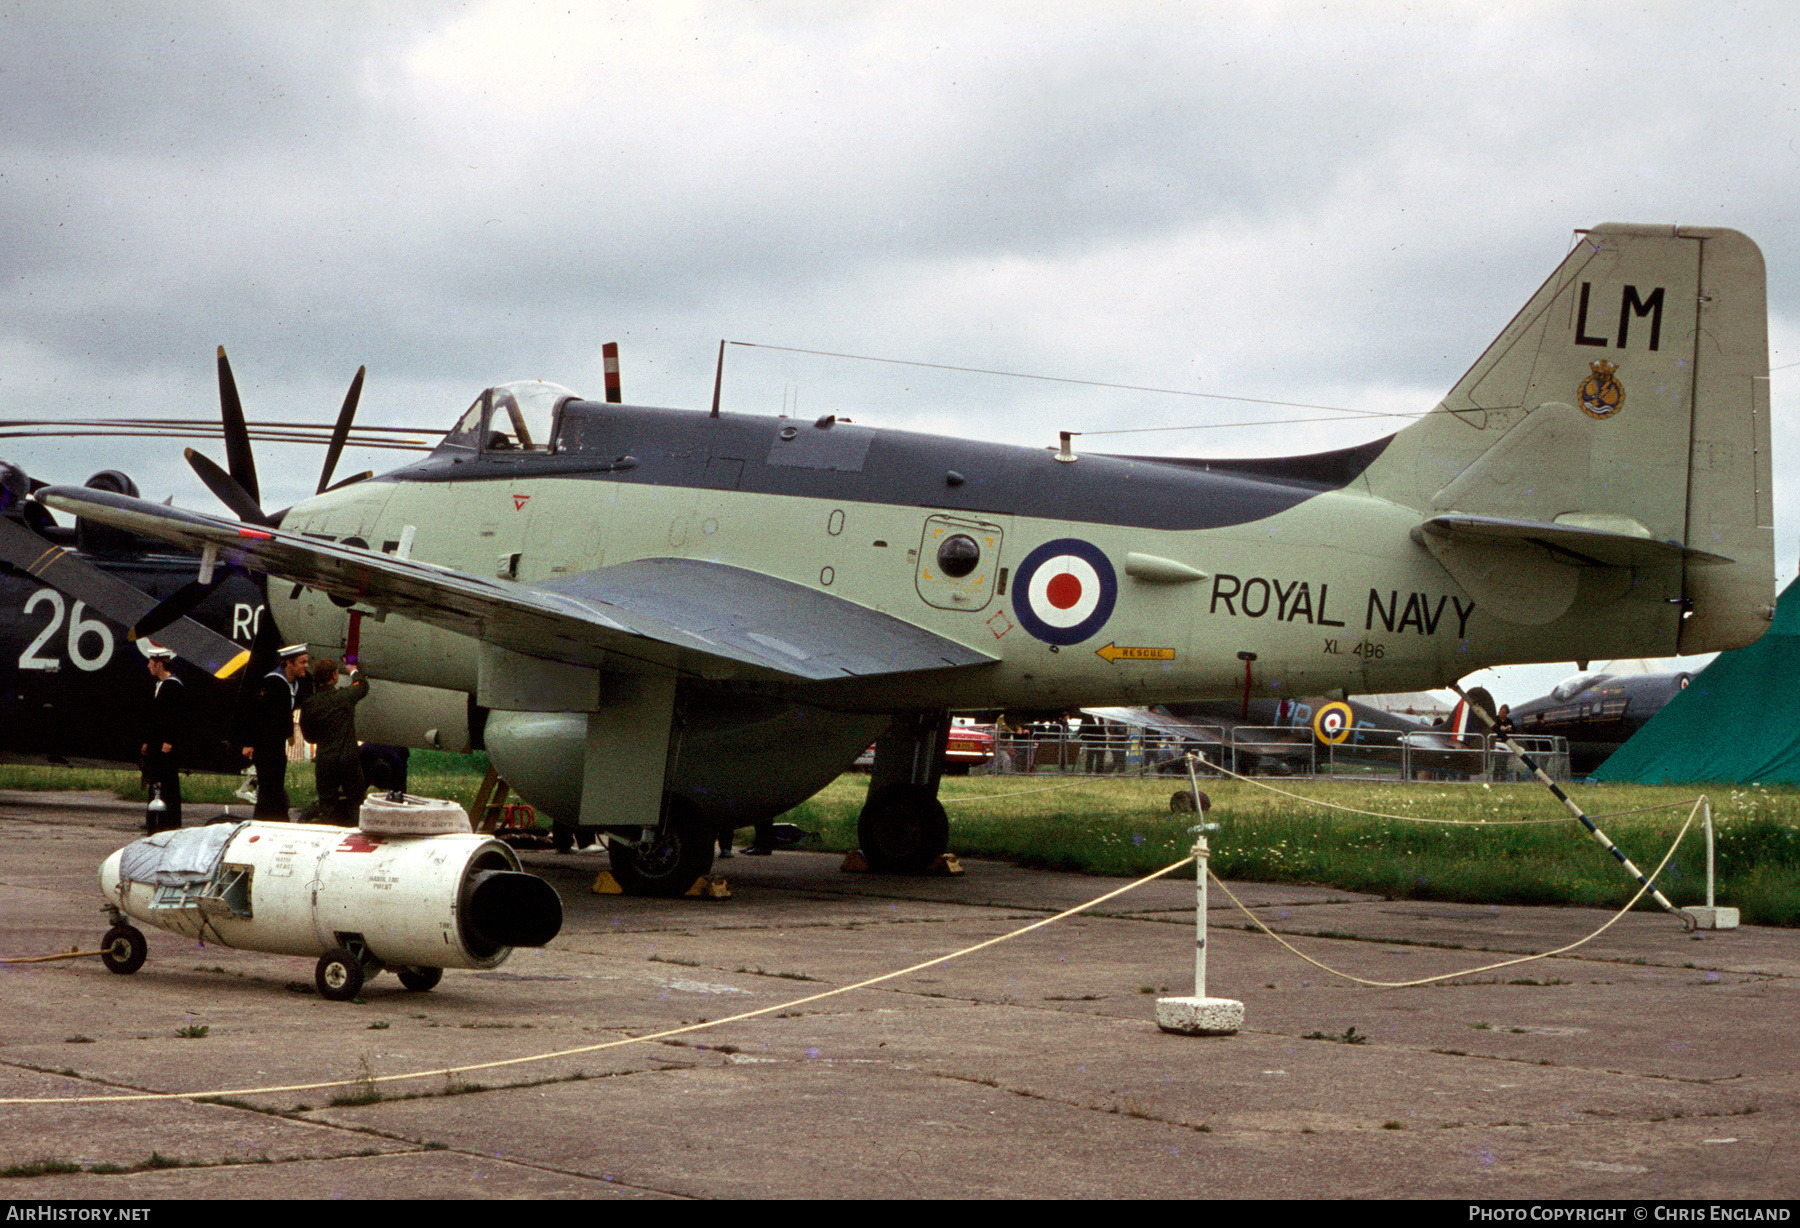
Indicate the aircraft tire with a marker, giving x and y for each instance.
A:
(339, 975)
(419, 980)
(903, 830)
(123, 949)
(683, 852)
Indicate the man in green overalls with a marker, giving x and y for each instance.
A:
(328, 721)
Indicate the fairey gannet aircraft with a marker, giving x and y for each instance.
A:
(665, 622)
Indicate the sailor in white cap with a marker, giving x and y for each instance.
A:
(162, 742)
(271, 727)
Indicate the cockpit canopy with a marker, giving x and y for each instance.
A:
(515, 417)
(1569, 688)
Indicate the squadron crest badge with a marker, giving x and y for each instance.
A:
(1601, 395)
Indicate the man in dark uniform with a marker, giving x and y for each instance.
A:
(162, 741)
(328, 721)
(271, 727)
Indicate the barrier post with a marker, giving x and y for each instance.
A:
(1199, 1015)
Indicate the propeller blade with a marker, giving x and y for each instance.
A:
(237, 435)
(113, 597)
(346, 415)
(227, 489)
(352, 480)
(174, 606)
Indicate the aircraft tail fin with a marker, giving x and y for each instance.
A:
(1620, 420)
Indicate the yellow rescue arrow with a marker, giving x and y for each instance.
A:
(1114, 652)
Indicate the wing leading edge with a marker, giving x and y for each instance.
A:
(695, 617)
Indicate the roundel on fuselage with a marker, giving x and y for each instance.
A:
(1332, 723)
(1064, 591)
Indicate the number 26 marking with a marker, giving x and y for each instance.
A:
(79, 629)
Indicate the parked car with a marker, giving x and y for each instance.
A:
(970, 746)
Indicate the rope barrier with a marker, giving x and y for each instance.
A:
(1505, 963)
(45, 959)
(445, 1072)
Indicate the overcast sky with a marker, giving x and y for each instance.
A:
(1321, 203)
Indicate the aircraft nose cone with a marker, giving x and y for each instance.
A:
(109, 875)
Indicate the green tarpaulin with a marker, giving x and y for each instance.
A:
(1734, 723)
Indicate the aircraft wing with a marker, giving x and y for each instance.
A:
(689, 615)
(1158, 721)
(63, 570)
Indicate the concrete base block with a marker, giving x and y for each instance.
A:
(1713, 918)
(1199, 1016)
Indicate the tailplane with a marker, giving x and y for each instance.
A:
(1620, 421)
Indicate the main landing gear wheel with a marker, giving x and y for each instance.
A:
(339, 975)
(420, 979)
(123, 949)
(903, 829)
(681, 853)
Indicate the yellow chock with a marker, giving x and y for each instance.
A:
(706, 887)
(946, 866)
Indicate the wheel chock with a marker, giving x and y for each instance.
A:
(946, 866)
(706, 887)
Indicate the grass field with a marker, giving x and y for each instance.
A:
(1478, 849)
(1483, 855)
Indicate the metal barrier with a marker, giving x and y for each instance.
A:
(1132, 753)
(1282, 750)
(1366, 753)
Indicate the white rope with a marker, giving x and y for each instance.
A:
(1505, 963)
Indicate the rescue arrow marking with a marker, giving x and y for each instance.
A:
(1114, 653)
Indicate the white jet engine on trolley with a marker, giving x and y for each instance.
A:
(411, 888)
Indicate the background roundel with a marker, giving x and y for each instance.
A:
(1332, 722)
(1064, 591)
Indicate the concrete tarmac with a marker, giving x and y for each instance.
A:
(1648, 1064)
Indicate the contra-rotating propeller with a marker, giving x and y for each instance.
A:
(237, 488)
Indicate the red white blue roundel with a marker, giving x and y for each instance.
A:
(1064, 591)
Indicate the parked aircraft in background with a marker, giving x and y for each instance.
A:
(73, 687)
(667, 623)
(1597, 712)
(81, 603)
(1284, 737)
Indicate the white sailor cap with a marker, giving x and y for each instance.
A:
(161, 654)
(291, 651)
